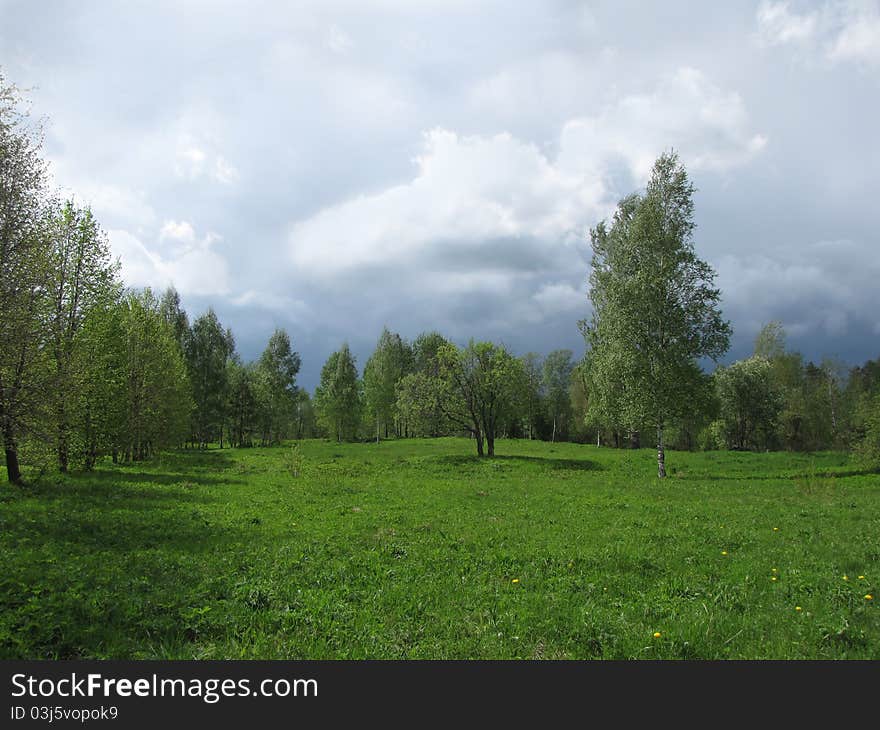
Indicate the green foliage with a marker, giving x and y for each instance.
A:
(158, 398)
(556, 377)
(389, 363)
(25, 215)
(276, 374)
(409, 549)
(655, 311)
(477, 388)
(750, 403)
(868, 449)
(82, 280)
(208, 350)
(339, 397)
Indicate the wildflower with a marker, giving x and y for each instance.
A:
(798, 608)
(775, 529)
(773, 577)
(846, 577)
(869, 597)
(724, 552)
(656, 634)
(773, 570)
(861, 577)
(515, 580)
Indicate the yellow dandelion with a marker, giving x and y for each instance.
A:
(861, 577)
(515, 580)
(724, 552)
(775, 529)
(869, 597)
(656, 634)
(773, 570)
(846, 577)
(773, 577)
(798, 608)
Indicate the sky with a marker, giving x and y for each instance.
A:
(334, 167)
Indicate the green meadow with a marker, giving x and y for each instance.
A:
(418, 549)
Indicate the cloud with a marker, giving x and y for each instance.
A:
(468, 192)
(778, 25)
(496, 202)
(338, 40)
(825, 287)
(840, 31)
(709, 127)
(191, 265)
(294, 309)
(195, 159)
(174, 231)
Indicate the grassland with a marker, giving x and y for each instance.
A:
(417, 549)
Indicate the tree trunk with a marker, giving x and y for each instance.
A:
(490, 445)
(478, 437)
(661, 454)
(553, 437)
(63, 449)
(13, 470)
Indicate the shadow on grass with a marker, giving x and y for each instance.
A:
(552, 463)
(757, 477)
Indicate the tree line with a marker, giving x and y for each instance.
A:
(91, 369)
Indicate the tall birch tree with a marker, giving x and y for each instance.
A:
(656, 312)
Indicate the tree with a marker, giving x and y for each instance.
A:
(338, 397)
(24, 268)
(655, 311)
(556, 377)
(82, 278)
(243, 403)
(175, 315)
(750, 402)
(532, 368)
(391, 360)
(277, 368)
(208, 348)
(868, 447)
(421, 412)
(477, 388)
(157, 390)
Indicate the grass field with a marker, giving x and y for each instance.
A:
(417, 549)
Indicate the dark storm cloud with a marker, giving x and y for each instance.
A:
(338, 166)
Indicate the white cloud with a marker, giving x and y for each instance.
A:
(467, 191)
(196, 159)
(494, 224)
(839, 31)
(338, 40)
(192, 266)
(115, 204)
(174, 231)
(707, 126)
(777, 24)
(470, 192)
(859, 36)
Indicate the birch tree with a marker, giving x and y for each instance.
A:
(656, 312)
(24, 268)
(82, 278)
